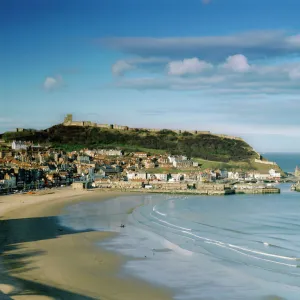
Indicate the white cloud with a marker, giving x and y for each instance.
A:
(188, 66)
(230, 77)
(294, 40)
(237, 63)
(53, 83)
(120, 67)
(223, 82)
(294, 73)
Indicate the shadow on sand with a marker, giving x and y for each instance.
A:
(16, 231)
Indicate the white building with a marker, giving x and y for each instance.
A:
(18, 145)
(274, 174)
(136, 175)
(89, 153)
(110, 152)
(261, 176)
(176, 177)
(171, 159)
(158, 176)
(233, 175)
(180, 158)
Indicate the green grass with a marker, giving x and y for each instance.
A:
(232, 165)
(202, 145)
(126, 148)
(208, 164)
(265, 168)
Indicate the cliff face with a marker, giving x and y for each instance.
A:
(207, 146)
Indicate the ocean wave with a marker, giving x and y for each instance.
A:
(171, 228)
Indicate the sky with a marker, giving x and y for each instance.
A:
(227, 66)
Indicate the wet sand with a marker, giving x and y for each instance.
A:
(42, 260)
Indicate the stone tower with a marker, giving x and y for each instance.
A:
(68, 119)
(297, 172)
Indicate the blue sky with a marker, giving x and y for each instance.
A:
(228, 66)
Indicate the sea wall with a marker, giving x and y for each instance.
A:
(258, 191)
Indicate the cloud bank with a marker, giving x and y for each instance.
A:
(254, 45)
(234, 76)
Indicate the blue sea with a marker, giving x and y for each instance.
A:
(287, 161)
(231, 247)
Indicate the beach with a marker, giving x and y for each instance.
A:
(200, 247)
(42, 260)
(69, 245)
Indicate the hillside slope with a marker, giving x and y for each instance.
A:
(206, 146)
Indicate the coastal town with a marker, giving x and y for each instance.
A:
(27, 167)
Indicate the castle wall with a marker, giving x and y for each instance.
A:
(68, 121)
(119, 127)
(102, 125)
(199, 132)
(265, 162)
(76, 123)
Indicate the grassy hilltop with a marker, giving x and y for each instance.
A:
(209, 150)
(205, 146)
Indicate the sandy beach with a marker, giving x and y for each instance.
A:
(41, 260)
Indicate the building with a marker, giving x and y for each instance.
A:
(261, 176)
(108, 170)
(158, 176)
(297, 171)
(83, 159)
(18, 145)
(233, 175)
(149, 164)
(183, 164)
(223, 174)
(140, 154)
(136, 175)
(9, 181)
(176, 177)
(110, 152)
(274, 174)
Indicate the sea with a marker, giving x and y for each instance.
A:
(203, 247)
(287, 161)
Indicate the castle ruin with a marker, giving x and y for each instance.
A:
(68, 121)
